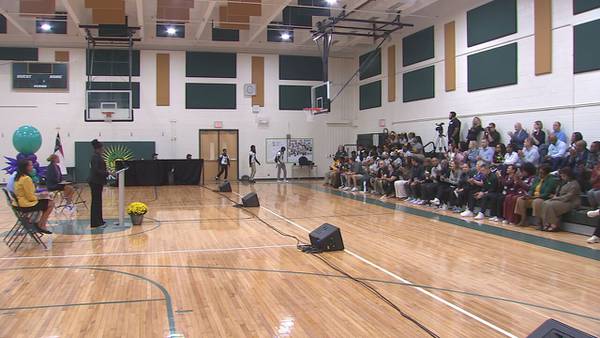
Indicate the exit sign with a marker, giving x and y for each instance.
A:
(218, 124)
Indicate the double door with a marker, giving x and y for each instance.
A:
(212, 142)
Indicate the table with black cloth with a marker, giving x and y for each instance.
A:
(156, 172)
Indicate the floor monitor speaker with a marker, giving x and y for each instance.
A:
(327, 237)
(250, 200)
(225, 187)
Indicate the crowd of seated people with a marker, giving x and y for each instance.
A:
(534, 170)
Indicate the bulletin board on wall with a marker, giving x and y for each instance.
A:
(295, 148)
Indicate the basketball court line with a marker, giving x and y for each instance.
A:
(395, 276)
(148, 253)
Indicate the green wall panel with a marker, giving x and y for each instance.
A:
(210, 96)
(418, 84)
(18, 54)
(370, 64)
(294, 97)
(112, 62)
(370, 95)
(304, 68)
(418, 47)
(491, 21)
(586, 45)
(493, 68)
(206, 64)
(83, 154)
(580, 6)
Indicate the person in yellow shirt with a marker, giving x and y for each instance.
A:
(27, 199)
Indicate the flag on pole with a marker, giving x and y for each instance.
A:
(58, 150)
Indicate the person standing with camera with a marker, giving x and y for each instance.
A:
(453, 129)
(492, 135)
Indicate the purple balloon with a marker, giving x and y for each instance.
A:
(21, 156)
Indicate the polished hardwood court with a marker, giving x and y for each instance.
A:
(200, 267)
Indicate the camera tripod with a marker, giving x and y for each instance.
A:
(440, 142)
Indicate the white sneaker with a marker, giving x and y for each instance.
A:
(286, 181)
(340, 188)
(354, 189)
(593, 239)
(444, 207)
(435, 201)
(494, 219)
(480, 215)
(467, 213)
(279, 181)
(593, 213)
(505, 222)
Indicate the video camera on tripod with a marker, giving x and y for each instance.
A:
(439, 127)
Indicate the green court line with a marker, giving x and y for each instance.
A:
(503, 232)
(167, 296)
(32, 307)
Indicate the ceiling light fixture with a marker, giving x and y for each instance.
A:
(171, 30)
(331, 2)
(285, 36)
(46, 27)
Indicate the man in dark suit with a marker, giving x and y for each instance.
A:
(97, 180)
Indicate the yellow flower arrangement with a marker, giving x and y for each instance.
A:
(137, 208)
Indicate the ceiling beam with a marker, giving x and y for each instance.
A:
(14, 21)
(139, 5)
(205, 18)
(263, 25)
(73, 16)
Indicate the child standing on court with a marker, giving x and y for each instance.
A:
(252, 161)
(279, 160)
(223, 164)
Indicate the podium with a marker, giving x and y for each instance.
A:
(121, 179)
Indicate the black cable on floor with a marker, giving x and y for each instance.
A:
(305, 247)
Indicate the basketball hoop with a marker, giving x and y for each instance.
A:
(108, 116)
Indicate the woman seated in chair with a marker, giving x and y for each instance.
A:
(54, 178)
(566, 199)
(27, 200)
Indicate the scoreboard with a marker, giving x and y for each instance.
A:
(37, 75)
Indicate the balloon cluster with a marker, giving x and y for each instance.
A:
(26, 140)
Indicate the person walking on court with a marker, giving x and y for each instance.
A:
(252, 161)
(223, 164)
(97, 180)
(281, 165)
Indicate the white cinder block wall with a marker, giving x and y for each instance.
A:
(557, 96)
(173, 128)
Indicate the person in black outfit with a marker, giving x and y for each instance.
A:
(96, 180)
(475, 130)
(223, 164)
(453, 129)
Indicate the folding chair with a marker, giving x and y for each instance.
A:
(77, 199)
(26, 224)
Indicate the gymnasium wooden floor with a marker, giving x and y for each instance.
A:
(199, 267)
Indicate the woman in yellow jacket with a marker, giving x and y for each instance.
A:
(27, 199)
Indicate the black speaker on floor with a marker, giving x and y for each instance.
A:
(225, 187)
(327, 237)
(552, 328)
(250, 200)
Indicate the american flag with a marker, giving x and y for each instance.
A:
(58, 149)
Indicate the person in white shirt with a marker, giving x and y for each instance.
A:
(530, 152)
(556, 152)
(252, 161)
(280, 163)
(10, 185)
(511, 157)
(223, 164)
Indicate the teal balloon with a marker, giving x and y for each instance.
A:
(27, 140)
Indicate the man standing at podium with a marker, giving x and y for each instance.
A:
(96, 180)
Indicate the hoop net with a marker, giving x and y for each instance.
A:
(310, 112)
(108, 116)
